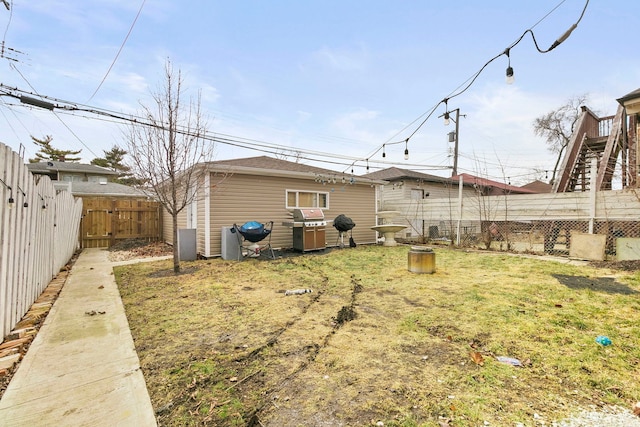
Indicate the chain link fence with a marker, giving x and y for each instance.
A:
(540, 237)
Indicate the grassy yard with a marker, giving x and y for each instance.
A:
(223, 344)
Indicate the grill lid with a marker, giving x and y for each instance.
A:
(308, 214)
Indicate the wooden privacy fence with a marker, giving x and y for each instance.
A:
(38, 236)
(105, 221)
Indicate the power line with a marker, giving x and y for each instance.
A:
(251, 144)
(119, 51)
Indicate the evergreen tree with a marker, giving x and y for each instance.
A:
(47, 152)
(114, 159)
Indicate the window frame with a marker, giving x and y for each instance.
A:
(318, 196)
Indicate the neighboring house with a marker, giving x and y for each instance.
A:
(488, 187)
(538, 186)
(407, 184)
(76, 172)
(267, 189)
(404, 187)
(110, 211)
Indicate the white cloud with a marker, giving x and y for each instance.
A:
(340, 59)
(356, 124)
(303, 116)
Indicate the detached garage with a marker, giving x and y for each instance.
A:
(267, 189)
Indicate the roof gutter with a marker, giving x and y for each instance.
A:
(289, 174)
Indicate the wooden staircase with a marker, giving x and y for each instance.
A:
(604, 139)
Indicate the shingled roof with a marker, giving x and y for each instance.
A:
(55, 166)
(266, 162)
(394, 173)
(490, 184)
(265, 165)
(106, 189)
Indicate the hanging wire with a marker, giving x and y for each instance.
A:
(471, 80)
(119, 51)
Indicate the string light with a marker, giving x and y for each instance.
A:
(510, 78)
(406, 149)
(25, 204)
(11, 202)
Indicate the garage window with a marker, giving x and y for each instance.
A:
(307, 199)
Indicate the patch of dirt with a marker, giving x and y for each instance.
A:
(617, 265)
(138, 248)
(171, 273)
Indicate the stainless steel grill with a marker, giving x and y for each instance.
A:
(309, 230)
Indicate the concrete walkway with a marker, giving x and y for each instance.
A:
(82, 368)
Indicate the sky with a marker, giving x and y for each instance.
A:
(328, 83)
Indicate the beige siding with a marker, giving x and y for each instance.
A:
(166, 227)
(167, 224)
(240, 198)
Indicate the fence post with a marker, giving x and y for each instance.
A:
(114, 223)
(593, 174)
(460, 186)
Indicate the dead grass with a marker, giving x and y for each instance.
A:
(223, 345)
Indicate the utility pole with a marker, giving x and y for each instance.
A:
(454, 136)
(455, 147)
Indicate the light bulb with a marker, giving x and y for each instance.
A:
(510, 78)
(446, 119)
(406, 154)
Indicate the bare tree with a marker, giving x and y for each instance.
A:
(168, 152)
(557, 127)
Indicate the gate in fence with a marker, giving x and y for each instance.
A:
(106, 221)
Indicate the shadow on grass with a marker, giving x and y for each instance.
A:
(600, 284)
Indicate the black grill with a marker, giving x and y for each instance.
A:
(343, 223)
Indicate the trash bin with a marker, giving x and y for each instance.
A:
(187, 250)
